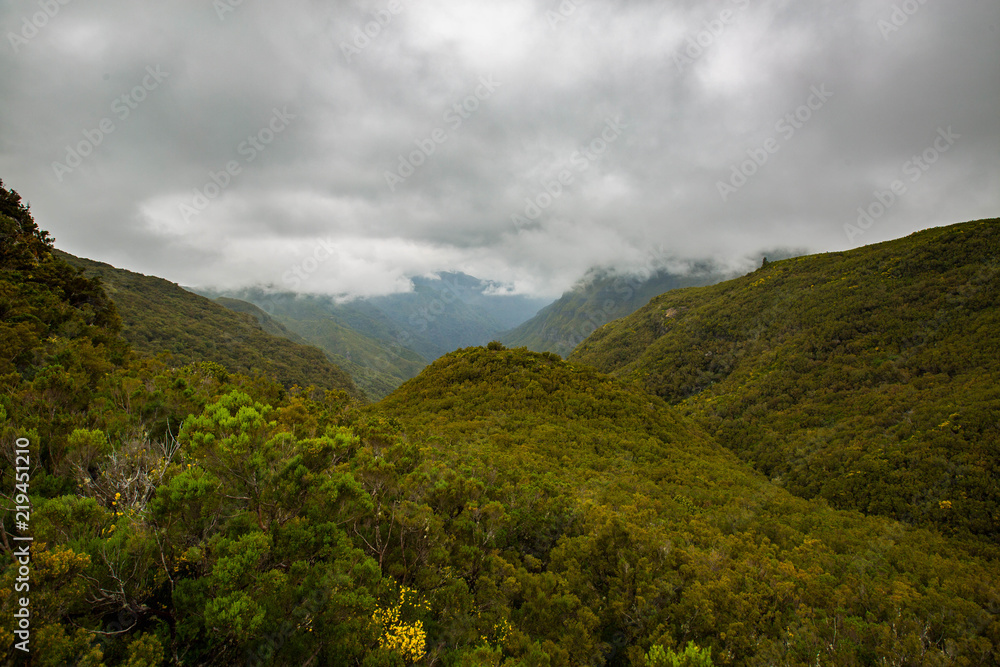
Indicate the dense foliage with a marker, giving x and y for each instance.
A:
(159, 316)
(503, 508)
(658, 536)
(869, 378)
(56, 327)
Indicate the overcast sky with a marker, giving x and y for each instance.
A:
(681, 131)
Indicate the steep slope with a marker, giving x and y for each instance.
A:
(870, 378)
(442, 312)
(357, 337)
(534, 512)
(266, 322)
(160, 316)
(596, 300)
(490, 309)
(50, 314)
(617, 524)
(376, 367)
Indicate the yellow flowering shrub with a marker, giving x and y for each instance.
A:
(407, 640)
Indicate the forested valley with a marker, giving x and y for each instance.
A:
(796, 467)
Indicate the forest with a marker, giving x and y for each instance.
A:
(867, 378)
(659, 498)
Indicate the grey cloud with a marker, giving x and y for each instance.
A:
(324, 176)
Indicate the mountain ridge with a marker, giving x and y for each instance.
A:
(874, 368)
(159, 316)
(503, 507)
(599, 298)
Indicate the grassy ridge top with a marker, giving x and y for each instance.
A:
(866, 377)
(552, 410)
(159, 316)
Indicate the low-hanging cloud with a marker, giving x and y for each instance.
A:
(265, 138)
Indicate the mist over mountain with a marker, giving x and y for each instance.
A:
(600, 297)
(867, 378)
(385, 340)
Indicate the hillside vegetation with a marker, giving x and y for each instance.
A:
(598, 299)
(356, 337)
(159, 316)
(376, 367)
(870, 378)
(609, 524)
(383, 341)
(502, 508)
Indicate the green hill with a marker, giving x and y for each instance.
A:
(376, 367)
(598, 299)
(159, 316)
(615, 524)
(869, 378)
(356, 337)
(266, 322)
(502, 508)
(386, 340)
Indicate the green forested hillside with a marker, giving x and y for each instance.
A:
(376, 367)
(266, 322)
(870, 378)
(386, 340)
(503, 508)
(615, 524)
(356, 336)
(598, 299)
(159, 316)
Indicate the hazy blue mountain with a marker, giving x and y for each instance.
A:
(383, 341)
(454, 310)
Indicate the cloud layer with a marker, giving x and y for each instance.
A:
(356, 144)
